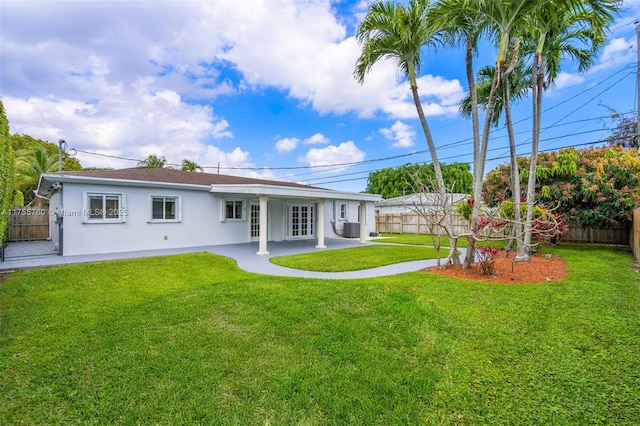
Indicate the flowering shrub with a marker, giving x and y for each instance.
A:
(551, 228)
(486, 225)
(487, 259)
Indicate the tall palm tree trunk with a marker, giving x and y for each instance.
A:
(515, 172)
(537, 82)
(478, 160)
(442, 190)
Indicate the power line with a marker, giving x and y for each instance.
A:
(339, 166)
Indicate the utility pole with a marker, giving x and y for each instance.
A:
(61, 145)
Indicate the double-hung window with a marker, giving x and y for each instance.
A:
(343, 213)
(164, 209)
(104, 208)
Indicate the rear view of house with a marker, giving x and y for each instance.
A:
(110, 211)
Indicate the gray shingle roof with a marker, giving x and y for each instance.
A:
(177, 176)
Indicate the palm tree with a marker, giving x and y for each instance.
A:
(520, 85)
(153, 162)
(191, 166)
(465, 21)
(555, 32)
(399, 32)
(30, 165)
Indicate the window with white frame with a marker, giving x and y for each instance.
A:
(104, 208)
(343, 213)
(233, 210)
(164, 209)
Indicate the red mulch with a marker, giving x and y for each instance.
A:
(540, 269)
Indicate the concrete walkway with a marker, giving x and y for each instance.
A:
(40, 254)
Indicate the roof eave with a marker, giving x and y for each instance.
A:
(52, 178)
(277, 191)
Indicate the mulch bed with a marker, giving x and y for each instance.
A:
(540, 269)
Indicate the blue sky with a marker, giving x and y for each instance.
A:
(264, 88)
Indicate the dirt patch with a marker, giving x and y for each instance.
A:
(540, 269)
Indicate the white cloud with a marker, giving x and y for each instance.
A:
(317, 139)
(345, 153)
(565, 80)
(127, 77)
(400, 133)
(287, 144)
(131, 124)
(617, 52)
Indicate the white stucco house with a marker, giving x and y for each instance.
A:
(108, 211)
(422, 202)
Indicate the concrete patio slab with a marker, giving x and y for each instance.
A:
(244, 254)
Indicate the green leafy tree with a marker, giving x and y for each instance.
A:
(597, 188)
(7, 172)
(153, 162)
(191, 166)
(397, 181)
(21, 142)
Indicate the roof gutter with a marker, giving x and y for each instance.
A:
(56, 178)
(278, 191)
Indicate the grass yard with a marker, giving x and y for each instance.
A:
(191, 339)
(357, 258)
(413, 239)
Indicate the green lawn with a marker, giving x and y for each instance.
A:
(413, 239)
(357, 258)
(191, 339)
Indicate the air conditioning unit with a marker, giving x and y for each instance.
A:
(351, 230)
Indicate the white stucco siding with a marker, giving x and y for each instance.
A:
(334, 213)
(201, 218)
(277, 220)
(201, 222)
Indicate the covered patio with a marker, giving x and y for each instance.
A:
(244, 254)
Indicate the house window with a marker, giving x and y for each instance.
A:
(165, 209)
(343, 211)
(233, 210)
(104, 208)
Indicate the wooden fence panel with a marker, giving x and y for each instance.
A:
(577, 234)
(28, 224)
(413, 223)
(634, 236)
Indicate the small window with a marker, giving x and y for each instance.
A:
(104, 208)
(165, 209)
(343, 211)
(234, 210)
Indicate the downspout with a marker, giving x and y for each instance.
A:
(333, 219)
(61, 147)
(59, 218)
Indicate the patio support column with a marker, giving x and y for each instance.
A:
(320, 227)
(363, 222)
(262, 244)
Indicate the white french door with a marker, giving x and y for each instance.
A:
(254, 223)
(301, 221)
